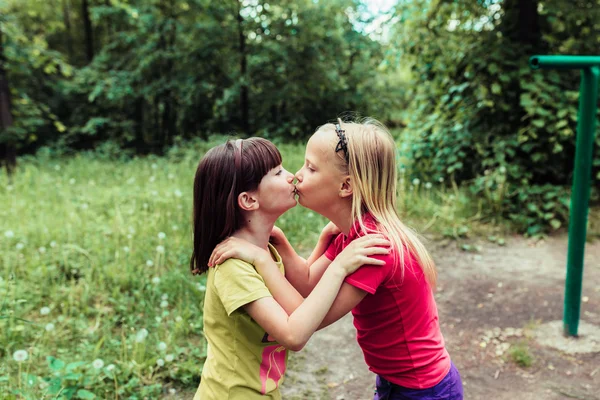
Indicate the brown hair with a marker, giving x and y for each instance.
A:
(223, 173)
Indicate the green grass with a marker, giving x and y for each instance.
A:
(103, 246)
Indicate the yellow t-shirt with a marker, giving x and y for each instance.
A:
(242, 361)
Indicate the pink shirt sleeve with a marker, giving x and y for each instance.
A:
(370, 277)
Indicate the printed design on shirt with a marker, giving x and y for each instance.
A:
(272, 367)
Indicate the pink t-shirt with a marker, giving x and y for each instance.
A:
(397, 322)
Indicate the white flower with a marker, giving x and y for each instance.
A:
(150, 263)
(441, 180)
(178, 193)
(141, 335)
(428, 185)
(156, 280)
(164, 296)
(110, 367)
(126, 249)
(502, 169)
(45, 310)
(161, 235)
(20, 355)
(172, 390)
(169, 357)
(50, 327)
(42, 250)
(19, 246)
(164, 304)
(160, 362)
(160, 249)
(162, 346)
(9, 234)
(178, 319)
(53, 244)
(416, 181)
(72, 181)
(98, 363)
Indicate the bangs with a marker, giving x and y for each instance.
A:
(259, 156)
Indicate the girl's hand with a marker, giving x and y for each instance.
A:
(233, 247)
(331, 229)
(277, 236)
(357, 253)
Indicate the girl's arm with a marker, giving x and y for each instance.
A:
(283, 292)
(293, 331)
(303, 274)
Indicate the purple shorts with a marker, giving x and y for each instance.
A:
(450, 388)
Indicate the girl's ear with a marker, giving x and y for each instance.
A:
(346, 189)
(247, 201)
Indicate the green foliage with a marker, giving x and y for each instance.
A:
(481, 115)
(163, 70)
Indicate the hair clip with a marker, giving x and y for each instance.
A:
(343, 141)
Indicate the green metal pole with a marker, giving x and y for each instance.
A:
(580, 196)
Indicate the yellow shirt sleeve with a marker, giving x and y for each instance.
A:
(237, 283)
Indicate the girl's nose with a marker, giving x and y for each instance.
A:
(290, 177)
(298, 176)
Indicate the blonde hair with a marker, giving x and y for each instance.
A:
(372, 169)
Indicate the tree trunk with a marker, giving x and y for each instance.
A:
(8, 152)
(89, 32)
(244, 103)
(67, 21)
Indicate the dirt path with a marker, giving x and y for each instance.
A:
(487, 301)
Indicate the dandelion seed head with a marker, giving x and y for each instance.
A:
(45, 310)
(169, 357)
(42, 250)
(141, 335)
(19, 246)
(161, 235)
(53, 244)
(9, 234)
(164, 296)
(178, 193)
(160, 362)
(428, 185)
(156, 279)
(98, 363)
(416, 181)
(126, 249)
(160, 249)
(164, 304)
(201, 287)
(162, 346)
(49, 327)
(172, 391)
(72, 181)
(110, 367)
(20, 355)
